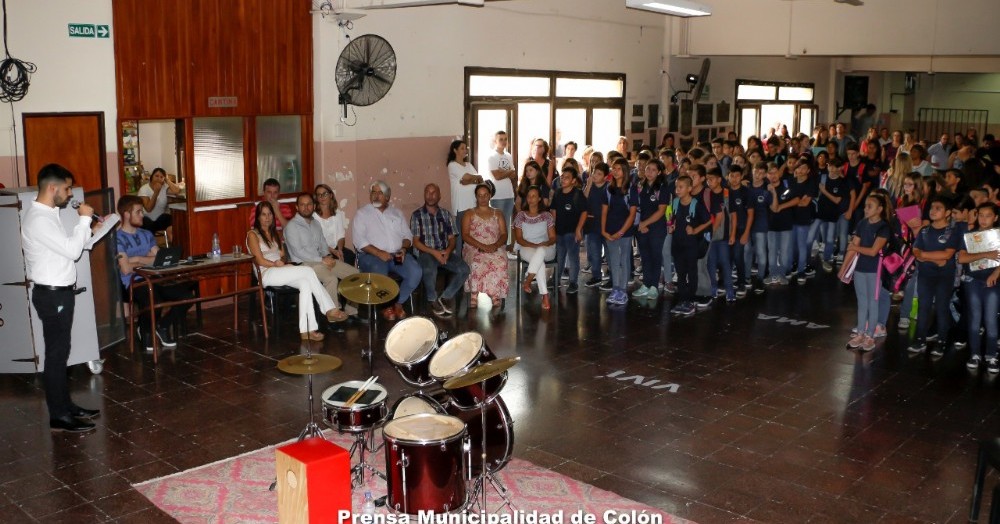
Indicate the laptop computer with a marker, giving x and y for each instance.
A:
(167, 257)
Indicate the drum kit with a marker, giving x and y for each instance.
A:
(444, 444)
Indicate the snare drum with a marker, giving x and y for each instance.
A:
(416, 404)
(455, 358)
(499, 434)
(409, 346)
(360, 416)
(425, 463)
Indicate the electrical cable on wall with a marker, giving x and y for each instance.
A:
(15, 77)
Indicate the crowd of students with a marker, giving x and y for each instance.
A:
(721, 220)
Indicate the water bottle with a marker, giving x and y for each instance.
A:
(368, 508)
(216, 250)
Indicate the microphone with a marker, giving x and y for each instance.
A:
(75, 204)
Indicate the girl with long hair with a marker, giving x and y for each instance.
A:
(870, 237)
(532, 176)
(654, 196)
(982, 295)
(333, 221)
(892, 179)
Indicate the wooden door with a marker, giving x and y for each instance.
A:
(74, 140)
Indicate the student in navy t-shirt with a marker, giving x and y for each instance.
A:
(804, 188)
(652, 227)
(596, 193)
(723, 228)
(760, 202)
(935, 248)
(618, 216)
(835, 196)
(982, 295)
(870, 237)
(690, 221)
(739, 239)
(780, 222)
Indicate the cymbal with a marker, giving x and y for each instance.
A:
(368, 288)
(481, 372)
(309, 364)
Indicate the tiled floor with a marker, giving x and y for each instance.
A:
(742, 413)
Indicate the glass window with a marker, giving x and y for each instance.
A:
(533, 122)
(807, 120)
(588, 87)
(279, 152)
(800, 94)
(606, 129)
(482, 85)
(755, 92)
(218, 158)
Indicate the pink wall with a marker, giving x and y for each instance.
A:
(406, 164)
(7, 175)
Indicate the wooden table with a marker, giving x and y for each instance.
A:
(225, 267)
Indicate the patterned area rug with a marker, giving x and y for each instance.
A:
(236, 491)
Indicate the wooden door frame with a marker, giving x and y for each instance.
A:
(100, 136)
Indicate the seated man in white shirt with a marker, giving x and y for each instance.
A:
(382, 237)
(306, 245)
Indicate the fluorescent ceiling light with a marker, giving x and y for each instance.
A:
(671, 7)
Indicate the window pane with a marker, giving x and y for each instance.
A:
(490, 121)
(279, 152)
(218, 158)
(607, 129)
(588, 87)
(755, 92)
(748, 124)
(571, 126)
(532, 123)
(795, 93)
(480, 85)
(807, 120)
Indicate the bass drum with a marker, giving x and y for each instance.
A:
(499, 434)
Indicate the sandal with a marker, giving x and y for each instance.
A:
(527, 285)
(336, 315)
(313, 335)
(473, 300)
(545, 302)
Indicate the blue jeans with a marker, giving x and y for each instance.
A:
(668, 259)
(934, 291)
(737, 254)
(864, 289)
(760, 253)
(619, 251)
(458, 232)
(834, 231)
(429, 267)
(779, 253)
(982, 304)
(567, 248)
(595, 244)
(802, 249)
(409, 270)
(651, 251)
(718, 262)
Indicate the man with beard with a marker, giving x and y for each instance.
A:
(434, 239)
(382, 238)
(50, 255)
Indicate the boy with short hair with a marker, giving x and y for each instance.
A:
(723, 228)
(595, 192)
(739, 239)
(691, 219)
(934, 249)
(836, 195)
(760, 202)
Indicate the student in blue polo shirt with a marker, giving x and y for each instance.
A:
(652, 227)
(780, 223)
(835, 197)
(935, 248)
(982, 295)
(869, 238)
(760, 202)
(617, 219)
(723, 227)
(804, 187)
(739, 239)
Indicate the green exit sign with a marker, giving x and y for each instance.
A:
(89, 31)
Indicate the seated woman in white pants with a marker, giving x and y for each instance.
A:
(265, 246)
(535, 235)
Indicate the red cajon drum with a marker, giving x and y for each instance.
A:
(314, 481)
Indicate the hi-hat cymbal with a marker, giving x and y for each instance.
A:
(368, 288)
(481, 373)
(309, 364)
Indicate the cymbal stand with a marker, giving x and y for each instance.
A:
(312, 429)
(478, 496)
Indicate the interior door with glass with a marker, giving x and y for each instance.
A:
(571, 126)
(749, 122)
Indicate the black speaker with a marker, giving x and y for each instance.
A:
(855, 91)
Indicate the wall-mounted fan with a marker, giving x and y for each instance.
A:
(366, 70)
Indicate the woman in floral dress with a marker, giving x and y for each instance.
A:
(484, 233)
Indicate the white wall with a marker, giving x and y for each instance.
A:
(825, 27)
(74, 74)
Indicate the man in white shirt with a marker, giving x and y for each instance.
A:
(939, 153)
(504, 177)
(382, 238)
(307, 245)
(50, 255)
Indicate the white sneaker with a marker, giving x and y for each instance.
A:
(904, 323)
(640, 292)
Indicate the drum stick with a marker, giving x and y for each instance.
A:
(361, 391)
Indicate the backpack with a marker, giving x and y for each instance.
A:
(704, 240)
(897, 263)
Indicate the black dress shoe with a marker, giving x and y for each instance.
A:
(70, 424)
(84, 413)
